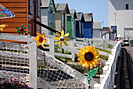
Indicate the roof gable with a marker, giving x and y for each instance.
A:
(62, 7)
(88, 17)
(73, 13)
(80, 16)
(46, 3)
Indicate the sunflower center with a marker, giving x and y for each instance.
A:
(89, 56)
(40, 39)
(61, 38)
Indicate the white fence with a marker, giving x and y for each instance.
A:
(42, 69)
(36, 67)
(77, 43)
(107, 79)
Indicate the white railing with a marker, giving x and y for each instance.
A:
(107, 79)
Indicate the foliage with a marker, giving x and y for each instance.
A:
(13, 83)
(63, 59)
(78, 68)
(104, 50)
(104, 57)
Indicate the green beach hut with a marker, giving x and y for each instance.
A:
(71, 23)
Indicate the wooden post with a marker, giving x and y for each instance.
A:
(86, 84)
(102, 43)
(51, 46)
(33, 65)
(73, 54)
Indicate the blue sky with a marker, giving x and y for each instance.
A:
(99, 8)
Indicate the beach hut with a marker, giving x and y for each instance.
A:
(79, 24)
(61, 16)
(88, 25)
(71, 23)
(48, 16)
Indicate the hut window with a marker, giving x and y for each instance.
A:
(31, 6)
(38, 8)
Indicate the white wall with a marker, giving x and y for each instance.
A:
(119, 16)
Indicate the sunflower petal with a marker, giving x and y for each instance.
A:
(58, 34)
(38, 34)
(57, 42)
(56, 38)
(65, 43)
(66, 35)
(34, 38)
(61, 43)
(67, 39)
(62, 33)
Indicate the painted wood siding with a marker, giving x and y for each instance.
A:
(58, 22)
(88, 32)
(51, 22)
(77, 29)
(44, 20)
(19, 7)
(69, 30)
(97, 33)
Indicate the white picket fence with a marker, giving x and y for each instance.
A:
(77, 43)
(45, 70)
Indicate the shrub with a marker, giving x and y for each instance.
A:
(13, 83)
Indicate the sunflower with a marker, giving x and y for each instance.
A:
(61, 38)
(88, 57)
(40, 39)
(2, 26)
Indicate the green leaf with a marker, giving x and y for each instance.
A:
(17, 31)
(92, 73)
(22, 26)
(17, 27)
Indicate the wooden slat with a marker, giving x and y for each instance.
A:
(10, 30)
(13, 25)
(7, 5)
(22, 15)
(13, 1)
(14, 20)
(18, 9)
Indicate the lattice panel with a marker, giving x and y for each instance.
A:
(50, 71)
(14, 61)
